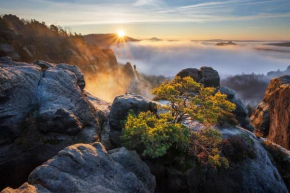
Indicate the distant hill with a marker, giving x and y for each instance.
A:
(283, 44)
(229, 43)
(155, 39)
(106, 40)
(30, 40)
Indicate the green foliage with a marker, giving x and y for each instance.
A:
(189, 98)
(206, 147)
(155, 134)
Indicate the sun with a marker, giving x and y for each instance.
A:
(121, 33)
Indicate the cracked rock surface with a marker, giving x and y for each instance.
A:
(89, 168)
(43, 109)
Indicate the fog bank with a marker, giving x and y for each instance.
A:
(168, 58)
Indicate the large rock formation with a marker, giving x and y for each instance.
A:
(89, 168)
(119, 111)
(43, 109)
(280, 158)
(251, 170)
(205, 75)
(128, 70)
(272, 118)
(210, 78)
(250, 174)
(241, 111)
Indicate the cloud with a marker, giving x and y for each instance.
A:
(143, 2)
(81, 12)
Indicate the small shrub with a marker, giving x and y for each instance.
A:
(237, 148)
(206, 147)
(155, 135)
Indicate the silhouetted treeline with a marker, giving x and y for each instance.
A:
(249, 87)
(33, 40)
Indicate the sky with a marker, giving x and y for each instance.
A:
(170, 19)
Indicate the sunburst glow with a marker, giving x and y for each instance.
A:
(121, 33)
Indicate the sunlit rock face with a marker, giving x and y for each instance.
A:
(43, 109)
(90, 168)
(272, 118)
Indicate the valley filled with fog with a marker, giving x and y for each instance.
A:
(167, 58)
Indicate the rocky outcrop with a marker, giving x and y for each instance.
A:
(90, 168)
(272, 118)
(250, 171)
(252, 174)
(261, 120)
(280, 158)
(42, 110)
(205, 75)
(128, 70)
(241, 112)
(121, 106)
(111, 57)
(8, 50)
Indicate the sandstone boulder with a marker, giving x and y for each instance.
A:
(8, 50)
(252, 174)
(205, 75)
(119, 111)
(241, 111)
(90, 168)
(75, 70)
(42, 110)
(192, 72)
(209, 77)
(43, 64)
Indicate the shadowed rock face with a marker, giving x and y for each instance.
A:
(8, 50)
(205, 75)
(128, 70)
(241, 111)
(249, 175)
(253, 173)
(272, 117)
(121, 106)
(42, 110)
(89, 168)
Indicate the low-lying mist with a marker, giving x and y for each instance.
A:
(108, 85)
(168, 58)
